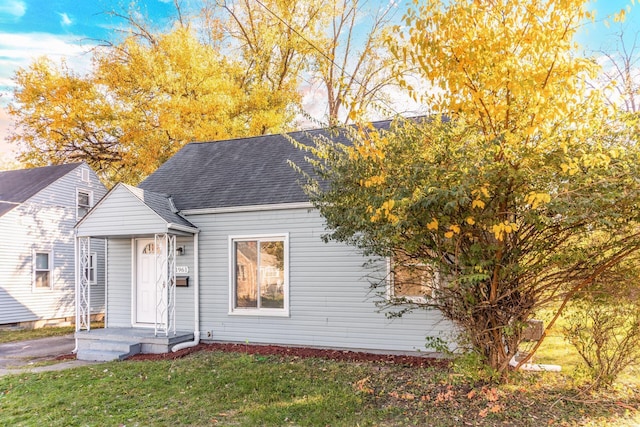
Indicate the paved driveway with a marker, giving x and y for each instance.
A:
(25, 356)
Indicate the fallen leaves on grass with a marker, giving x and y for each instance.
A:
(490, 394)
(426, 392)
(361, 385)
(402, 396)
(445, 396)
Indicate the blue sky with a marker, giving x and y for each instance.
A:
(68, 29)
(59, 29)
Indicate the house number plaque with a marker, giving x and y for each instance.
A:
(182, 269)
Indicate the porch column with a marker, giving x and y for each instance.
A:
(83, 288)
(165, 284)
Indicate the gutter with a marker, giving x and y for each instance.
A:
(178, 227)
(250, 208)
(196, 298)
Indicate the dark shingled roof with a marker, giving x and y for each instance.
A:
(19, 185)
(238, 172)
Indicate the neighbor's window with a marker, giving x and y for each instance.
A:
(42, 270)
(259, 270)
(412, 281)
(83, 202)
(90, 270)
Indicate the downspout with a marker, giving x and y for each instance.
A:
(196, 298)
(106, 282)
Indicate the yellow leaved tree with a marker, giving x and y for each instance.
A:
(518, 191)
(143, 99)
(234, 69)
(61, 116)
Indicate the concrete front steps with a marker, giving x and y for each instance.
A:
(120, 343)
(104, 350)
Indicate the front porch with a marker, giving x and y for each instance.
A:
(120, 343)
(142, 231)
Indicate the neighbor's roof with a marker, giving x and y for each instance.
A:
(239, 172)
(18, 186)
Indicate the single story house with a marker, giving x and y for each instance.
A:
(39, 208)
(222, 244)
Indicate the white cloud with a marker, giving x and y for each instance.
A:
(65, 21)
(19, 50)
(390, 102)
(314, 104)
(12, 10)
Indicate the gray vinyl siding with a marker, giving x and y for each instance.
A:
(98, 288)
(45, 223)
(184, 295)
(121, 213)
(330, 302)
(119, 283)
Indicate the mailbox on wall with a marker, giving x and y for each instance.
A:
(182, 281)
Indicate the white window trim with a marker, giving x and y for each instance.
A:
(51, 270)
(275, 312)
(90, 193)
(391, 285)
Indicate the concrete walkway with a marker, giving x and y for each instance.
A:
(26, 356)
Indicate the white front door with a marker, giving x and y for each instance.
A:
(146, 280)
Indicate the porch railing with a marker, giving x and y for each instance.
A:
(165, 284)
(83, 281)
(165, 289)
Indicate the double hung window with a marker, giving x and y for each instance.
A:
(90, 270)
(83, 202)
(42, 270)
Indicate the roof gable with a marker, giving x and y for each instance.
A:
(131, 211)
(18, 186)
(239, 172)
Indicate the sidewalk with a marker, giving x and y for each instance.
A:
(26, 356)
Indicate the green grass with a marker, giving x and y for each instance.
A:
(214, 388)
(555, 350)
(12, 335)
(202, 389)
(30, 334)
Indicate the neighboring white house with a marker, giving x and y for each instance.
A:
(222, 244)
(39, 208)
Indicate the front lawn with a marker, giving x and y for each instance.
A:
(16, 334)
(216, 388)
(12, 335)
